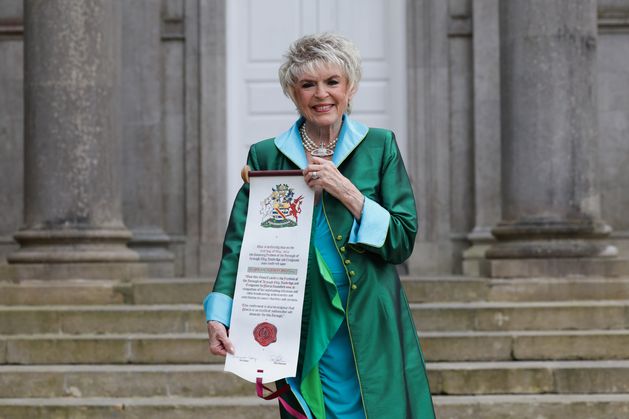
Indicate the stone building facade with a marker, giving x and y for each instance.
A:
(112, 147)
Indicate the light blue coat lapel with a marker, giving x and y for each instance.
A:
(352, 133)
(289, 143)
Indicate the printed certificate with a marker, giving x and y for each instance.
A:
(268, 300)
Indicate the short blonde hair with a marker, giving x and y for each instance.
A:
(311, 52)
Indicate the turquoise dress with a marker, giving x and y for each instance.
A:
(341, 391)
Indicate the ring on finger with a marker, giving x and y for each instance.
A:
(315, 176)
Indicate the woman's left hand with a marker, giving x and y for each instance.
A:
(323, 173)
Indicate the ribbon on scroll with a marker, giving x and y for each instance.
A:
(265, 323)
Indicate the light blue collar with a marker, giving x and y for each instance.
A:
(352, 133)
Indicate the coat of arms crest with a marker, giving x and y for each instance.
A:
(281, 208)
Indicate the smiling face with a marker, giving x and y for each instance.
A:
(322, 97)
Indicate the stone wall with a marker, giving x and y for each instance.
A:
(11, 123)
(455, 127)
(172, 61)
(174, 136)
(613, 113)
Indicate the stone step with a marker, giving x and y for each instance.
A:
(460, 289)
(171, 291)
(423, 289)
(445, 288)
(550, 406)
(529, 377)
(139, 408)
(171, 318)
(189, 380)
(193, 347)
(609, 406)
(526, 345)
(488, 316)
(100, 292)
(106, 349)
(419, 289)
(41, 292)
(187, 318)
(209, 380)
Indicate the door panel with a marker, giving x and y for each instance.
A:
(259, 33)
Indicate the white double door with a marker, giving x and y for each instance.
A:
(259, 33)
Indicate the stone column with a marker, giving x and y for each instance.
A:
(429, 161)
(551, 221)
(142, 135)
(208, 174)
(486, 50)
(73, 216)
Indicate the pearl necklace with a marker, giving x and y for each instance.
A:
(312, 147)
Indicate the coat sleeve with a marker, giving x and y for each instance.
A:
(217, 305)
(388, 224)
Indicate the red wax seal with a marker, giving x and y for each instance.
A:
(265, 333)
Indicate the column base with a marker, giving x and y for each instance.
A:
(430, 258)
(91, 253)
(474, 261)
(558, 267)
(106, 245)
(151, 245)
(541, 238)
(51, 271)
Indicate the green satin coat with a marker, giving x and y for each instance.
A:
(389, 360)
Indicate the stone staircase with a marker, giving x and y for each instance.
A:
(529, 348)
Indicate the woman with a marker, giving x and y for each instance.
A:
(359, 354)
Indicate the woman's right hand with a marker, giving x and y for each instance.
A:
(219, 342)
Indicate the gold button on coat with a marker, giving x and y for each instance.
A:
(339, 237)
(347, 261)
(342, 248)
(354, 286)
(352, 273)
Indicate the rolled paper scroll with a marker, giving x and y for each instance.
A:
(265, 325)
(246, 173)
